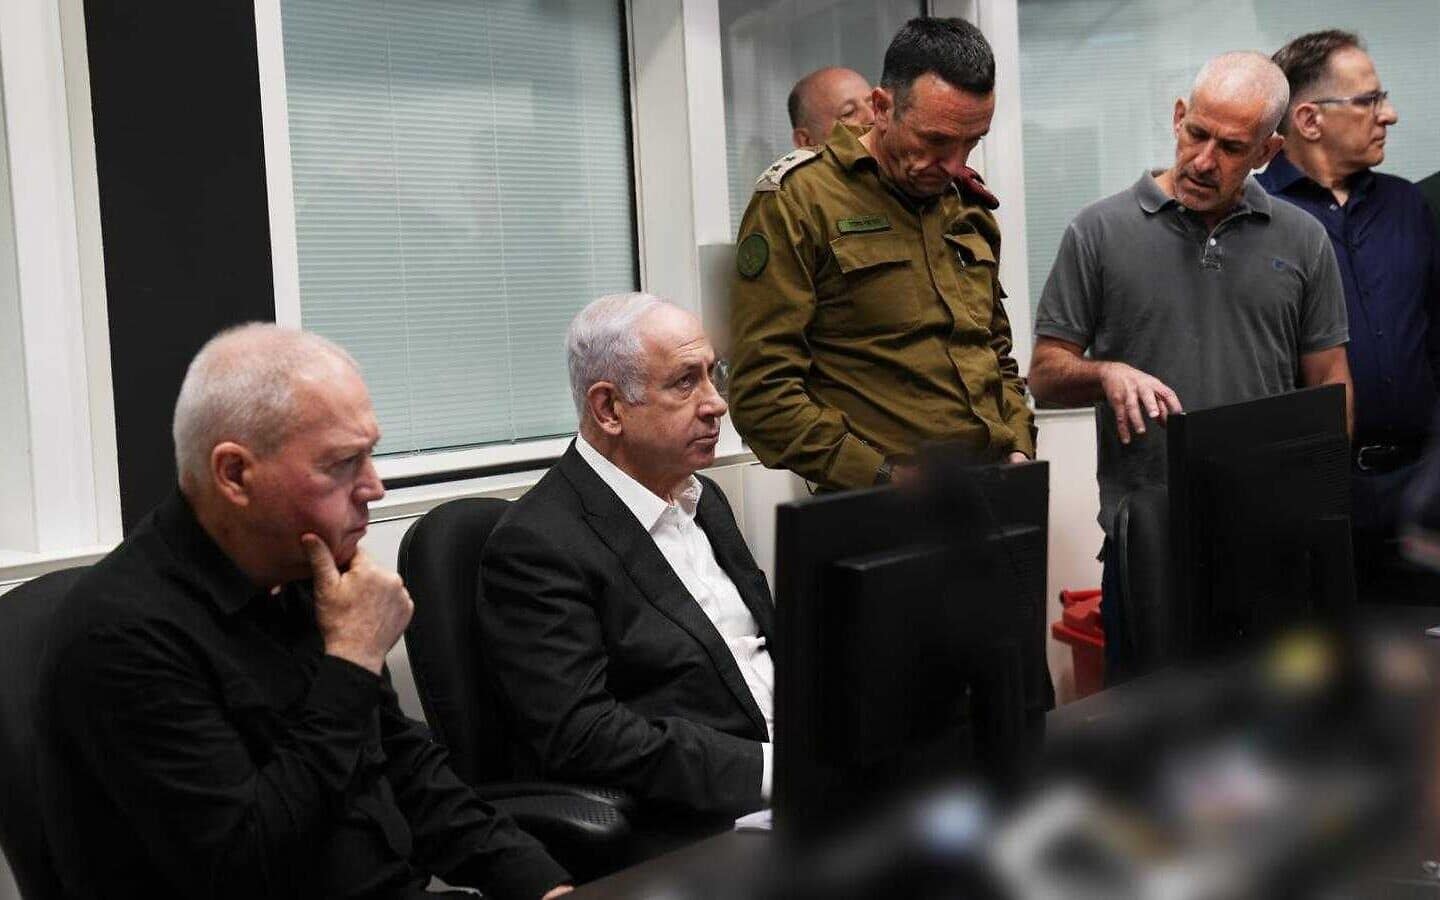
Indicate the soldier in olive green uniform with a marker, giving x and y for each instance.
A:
(866, 309)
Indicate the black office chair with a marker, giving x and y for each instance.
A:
(586, 828)
(25, 616)
(1148, 599)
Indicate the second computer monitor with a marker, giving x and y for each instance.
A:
(910, 639)
(1259, 518)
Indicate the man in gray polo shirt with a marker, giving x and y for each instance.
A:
(1191, 287)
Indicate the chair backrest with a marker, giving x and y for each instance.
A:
(1148, 597)
(25, 616)
(440, 562)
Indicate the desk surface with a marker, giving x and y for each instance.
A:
(1397, 877)
(720, 856)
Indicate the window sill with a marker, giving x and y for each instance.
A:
(409, 502)
(436, 465)
(17, 566)
(500, 470)
(1077, 412)
(404, 503)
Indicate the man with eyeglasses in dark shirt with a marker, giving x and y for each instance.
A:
(1385, 241)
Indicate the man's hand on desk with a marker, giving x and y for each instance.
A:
(1016, 457)
(1134, 396)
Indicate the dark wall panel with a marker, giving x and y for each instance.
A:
(175, 94)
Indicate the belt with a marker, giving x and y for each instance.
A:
(1386, 456)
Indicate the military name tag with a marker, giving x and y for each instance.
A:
(863, 223)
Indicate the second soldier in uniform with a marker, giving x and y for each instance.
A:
(867, 316)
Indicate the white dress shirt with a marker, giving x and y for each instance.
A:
(687, 549)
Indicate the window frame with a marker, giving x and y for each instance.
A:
(64, 402)
(675, 208)
(1001, 158)
(682, 220)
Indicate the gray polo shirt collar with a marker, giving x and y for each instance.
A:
(1253, 198)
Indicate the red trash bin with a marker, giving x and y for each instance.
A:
(1080, 626)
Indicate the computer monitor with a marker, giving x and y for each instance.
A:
(1259, 518)
(910, 639)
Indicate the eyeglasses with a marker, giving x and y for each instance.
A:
(1371, 100)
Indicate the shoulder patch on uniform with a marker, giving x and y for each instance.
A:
(770, 179)
(752, 255)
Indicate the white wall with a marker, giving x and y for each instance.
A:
(1067, 440)
(53, 301)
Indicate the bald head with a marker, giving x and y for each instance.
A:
(1224, 131)
(824, 97)
(1245, 77)
(246, 385)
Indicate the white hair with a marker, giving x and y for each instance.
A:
(604, 344)
(1247, 74)
(241, 387)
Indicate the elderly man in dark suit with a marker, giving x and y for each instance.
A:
(628, 623)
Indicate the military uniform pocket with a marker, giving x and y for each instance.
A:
(877, 290)
(977, 271)
(971, 248)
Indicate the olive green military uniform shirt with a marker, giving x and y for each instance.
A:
(865, 323)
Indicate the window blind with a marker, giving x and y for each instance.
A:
(1099, 79)
(768, 46)
(463, 187)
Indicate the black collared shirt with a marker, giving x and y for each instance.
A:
(1389, 260)
(198, 742)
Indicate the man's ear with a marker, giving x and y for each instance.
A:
(231, 468)
(884, 105)
(801, 137)
(603, 401)
(1179, 115)
(1305, 121)
(1271, 147)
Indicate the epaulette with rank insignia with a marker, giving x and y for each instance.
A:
(770, 179)
(973, 186)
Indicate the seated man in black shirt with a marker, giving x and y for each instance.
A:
(217, 725)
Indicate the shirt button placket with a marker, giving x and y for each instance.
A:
(1211, 257)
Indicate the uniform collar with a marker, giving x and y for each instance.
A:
(640, 500)
(844, 143)
(200, 560)
(852, 156)
(1253, 198)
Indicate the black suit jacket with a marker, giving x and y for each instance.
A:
(612, 671)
